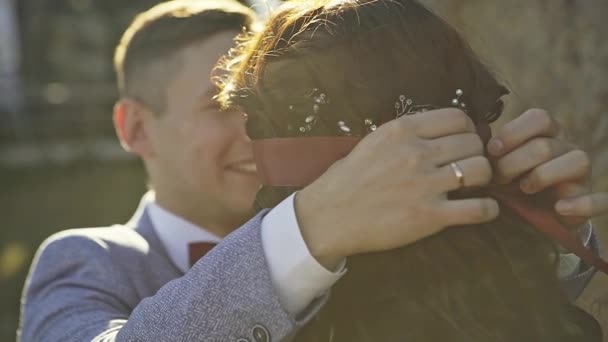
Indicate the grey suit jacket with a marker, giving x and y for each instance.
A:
(118, 284)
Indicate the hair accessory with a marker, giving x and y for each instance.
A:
(370, 125)
(457, 102)
(311, 117)
(406, 106)
(345, 130)
(307, 117)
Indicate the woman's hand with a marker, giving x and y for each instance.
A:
(532, 149)
(391, 190)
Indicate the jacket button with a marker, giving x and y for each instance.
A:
(242, 340)
(260, 333)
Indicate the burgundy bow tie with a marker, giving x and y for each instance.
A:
(197, 250)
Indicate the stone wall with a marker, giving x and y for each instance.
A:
(552, 54)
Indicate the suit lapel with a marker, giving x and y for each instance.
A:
(142, 223)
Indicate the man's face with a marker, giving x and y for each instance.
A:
(202, 165)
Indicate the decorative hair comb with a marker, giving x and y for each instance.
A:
(403, 106)
(310, 116)
(406, 106)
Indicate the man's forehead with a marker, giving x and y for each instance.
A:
(203, 57)
(194, 80)
(210, 49)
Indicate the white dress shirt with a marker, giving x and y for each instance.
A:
(176, 234)
(295, 273)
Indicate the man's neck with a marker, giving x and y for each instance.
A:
(216, 223)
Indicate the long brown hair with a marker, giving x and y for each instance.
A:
(491, 282)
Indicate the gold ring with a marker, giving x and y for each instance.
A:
(458, 173)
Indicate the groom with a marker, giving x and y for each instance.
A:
(268, 276)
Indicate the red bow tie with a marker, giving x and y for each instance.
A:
(197, 250)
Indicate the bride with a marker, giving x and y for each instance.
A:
(329, 72)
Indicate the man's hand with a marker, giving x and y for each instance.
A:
(391, 190)
(532, 150)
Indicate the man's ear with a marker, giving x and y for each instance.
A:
(132, 128)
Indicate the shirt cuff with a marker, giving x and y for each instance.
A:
(569, 263)
(295, 274)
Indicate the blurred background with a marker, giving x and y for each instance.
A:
(62, 167)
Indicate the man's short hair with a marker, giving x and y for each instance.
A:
(143, 59)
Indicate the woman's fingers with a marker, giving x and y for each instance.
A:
(572, 166)
(590, 205)
(476, 171)
(440, 123)
(456, 147)
(468, 211)
(532, 123)
(527, 157)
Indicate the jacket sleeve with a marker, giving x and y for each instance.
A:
(73, 294)
(574, 283)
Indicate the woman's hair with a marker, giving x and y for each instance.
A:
(490, 282)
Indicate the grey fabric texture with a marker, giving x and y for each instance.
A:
(575, 283)
(118, 284)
